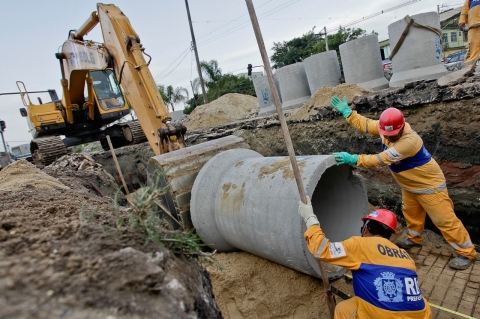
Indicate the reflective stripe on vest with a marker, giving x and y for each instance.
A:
(422, 157)
(388, 288)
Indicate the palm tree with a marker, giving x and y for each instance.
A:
(172, 96)
(212, 75)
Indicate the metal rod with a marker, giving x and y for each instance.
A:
(116, 163)
(199, 69)
(286, 135)
(6, 150)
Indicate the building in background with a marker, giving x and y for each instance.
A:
(452, 38)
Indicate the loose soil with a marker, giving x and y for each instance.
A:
(322, 98)
(66, 253)
(227, 108)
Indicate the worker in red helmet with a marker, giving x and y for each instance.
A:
(424, 189)
(385, 279)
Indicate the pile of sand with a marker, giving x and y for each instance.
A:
(226, 109)
(21, 173)
(252, 287)
(322, 98)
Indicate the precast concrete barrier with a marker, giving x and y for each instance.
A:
(293, 84)
(264, 95)
(420, 55)
(362, 63)
(242, 200)
(322, 69)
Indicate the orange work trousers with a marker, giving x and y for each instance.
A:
(473, 45)
(439, 208)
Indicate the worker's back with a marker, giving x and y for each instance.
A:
(384, 279)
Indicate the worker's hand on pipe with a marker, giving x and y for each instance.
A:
(341, 106)
(306, 211)
(346, 158)
(461, 26)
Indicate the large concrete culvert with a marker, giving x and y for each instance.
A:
(242, 200)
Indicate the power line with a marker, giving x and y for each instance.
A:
(203, 36)
(243, 25)
(374, 15)
(160, 73)
(173, 68)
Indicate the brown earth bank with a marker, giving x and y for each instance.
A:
(447, 118)
(69, 253)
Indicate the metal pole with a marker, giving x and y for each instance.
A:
(5, 147)
(326, 37)
(286, 136)
(205, 98)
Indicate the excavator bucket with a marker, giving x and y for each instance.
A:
(177, 171)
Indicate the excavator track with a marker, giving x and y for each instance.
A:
(46, 150)
(133, 133)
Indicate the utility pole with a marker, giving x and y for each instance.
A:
(326, 37)
(205, 98)
(2, 128)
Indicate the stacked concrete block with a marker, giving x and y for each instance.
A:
(293, 84)
(322, 69)
(242, 200)
(420, 55)
(362, 63)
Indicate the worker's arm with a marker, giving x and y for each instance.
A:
(464, 15)
(343, 253)
(363, 124)
(353, 118)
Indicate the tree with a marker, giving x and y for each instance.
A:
(298, 49)
(172, 96)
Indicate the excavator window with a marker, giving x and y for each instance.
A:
(107, 90)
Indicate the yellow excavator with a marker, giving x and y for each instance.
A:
(100, 82)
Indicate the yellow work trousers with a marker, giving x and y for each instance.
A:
(473, 45)
(346, 309)
(440, 209)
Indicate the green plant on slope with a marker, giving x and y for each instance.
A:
(144, 214)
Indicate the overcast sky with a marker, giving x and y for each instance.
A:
(32, 31)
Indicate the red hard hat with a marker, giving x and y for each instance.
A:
(391, 122)
(383, 216)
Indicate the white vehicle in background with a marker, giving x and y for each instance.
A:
(22, 151)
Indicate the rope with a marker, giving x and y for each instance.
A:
(411, 22)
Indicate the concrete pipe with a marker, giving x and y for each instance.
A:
(362, 63)
(293, 83)
(322, 69)
(415, 62)
(242, 200)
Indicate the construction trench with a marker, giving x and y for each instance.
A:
(69, 248)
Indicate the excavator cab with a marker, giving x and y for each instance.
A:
(107, 92)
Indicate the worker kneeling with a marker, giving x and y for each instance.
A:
(385, 280)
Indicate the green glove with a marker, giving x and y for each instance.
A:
(306, 211)
(341, 106)
(345, 158)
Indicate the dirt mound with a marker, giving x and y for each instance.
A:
(68, 254)
(252, 287)
(226, 109)
(81, 172)
(322, 98)
(23, 174)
